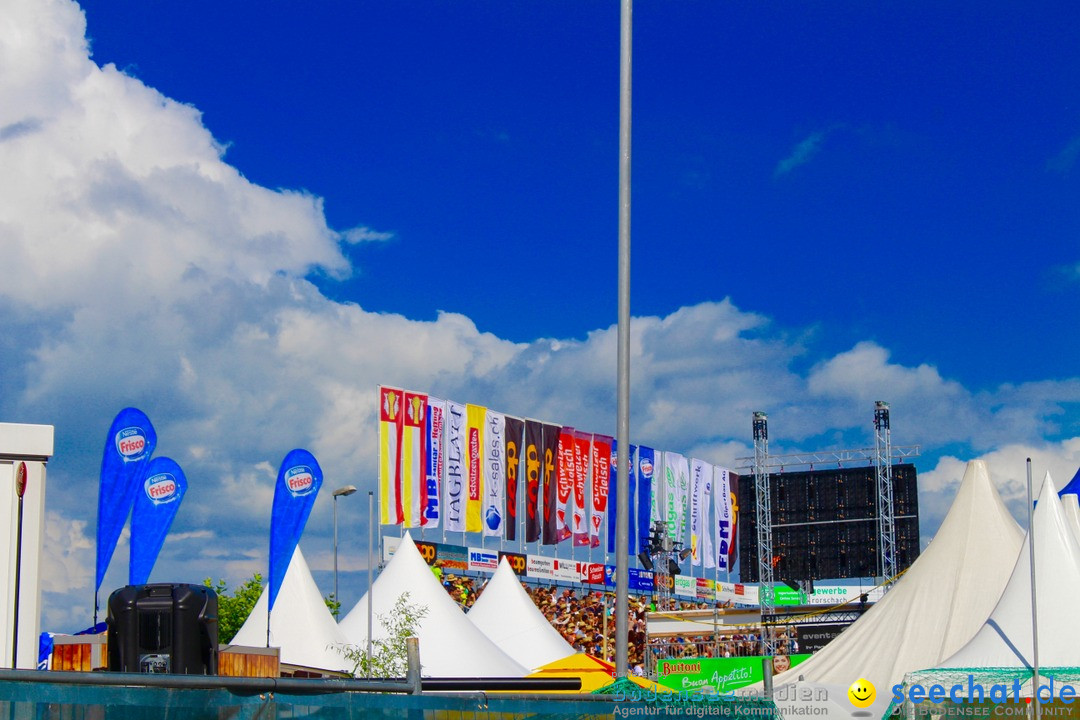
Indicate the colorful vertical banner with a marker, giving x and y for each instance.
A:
(697, 510)
(677, 489)
(658, 508)
(613, 498)
(725, 484)
(601, 486)
(435, 462)
(494, 505)
(733, 493)
(413, 459)
(128, 447)
(456, 467)
(475, 419)
(646, 468)
(707, 556)
(566, 474)
(515, 430)
(580, 503)
(391, 426)
(298, 483)
(534, 443)
(156, 503)
(549, 450)
(638, 543)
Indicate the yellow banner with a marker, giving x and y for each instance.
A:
(475, 415)
(391, 422)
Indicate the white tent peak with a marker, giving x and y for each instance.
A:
(1071, 505)
(937, 605)
(300, 624)
(506, 614)
(1005, 640)
(450, 645)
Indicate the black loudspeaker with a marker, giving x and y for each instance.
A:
(163, 628)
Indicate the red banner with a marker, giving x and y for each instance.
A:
(567, 476)
(601, 482)
(580, 527)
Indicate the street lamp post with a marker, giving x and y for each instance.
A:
(340, 492)
(370, 576)
(20, 490)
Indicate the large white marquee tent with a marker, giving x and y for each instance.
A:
(1005, 640)
(931, 612)
(300, 625)
(506, 614)
(450, 645)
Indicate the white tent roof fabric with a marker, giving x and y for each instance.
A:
(938, 604)
(1005, 640)
(450, 645)
(1070, 503)
(301, 624)
(506, 614)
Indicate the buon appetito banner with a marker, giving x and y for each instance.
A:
(719, 675)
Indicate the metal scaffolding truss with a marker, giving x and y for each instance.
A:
(886, 509)
(845, 616)
(826, 457)
(881, 456)
(764, 528)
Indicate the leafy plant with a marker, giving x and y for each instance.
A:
(389, 655)
(233, 610)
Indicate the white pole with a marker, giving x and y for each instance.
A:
(622, 511)
(337, 598)
(370, 573)
(1034, 597)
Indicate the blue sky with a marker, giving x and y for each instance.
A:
(898, 173)
(241, 217)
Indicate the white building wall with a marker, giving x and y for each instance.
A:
(32, 444)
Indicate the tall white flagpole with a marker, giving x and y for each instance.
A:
(622, 511)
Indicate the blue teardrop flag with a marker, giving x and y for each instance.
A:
(298, 482)
(128, 447)
(156, 503)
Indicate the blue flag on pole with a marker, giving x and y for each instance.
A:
(1073, 486)
(156, 503)
(613, 496)
(298, 482)
(645, 467)
(128, 447)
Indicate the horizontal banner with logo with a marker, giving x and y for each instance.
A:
(719, 675)
(456, 558)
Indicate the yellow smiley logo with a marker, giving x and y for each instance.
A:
(862, 693)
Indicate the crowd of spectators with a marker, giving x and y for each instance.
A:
(578, 615)
(739, 642)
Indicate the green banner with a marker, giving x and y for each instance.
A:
(787, 596)
(718, 675)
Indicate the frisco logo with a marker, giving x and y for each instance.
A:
(161, 488)
(299, 480)
(130, 443)
(646, 467)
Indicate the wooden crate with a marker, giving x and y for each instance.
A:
(79, 653)
(240, 661)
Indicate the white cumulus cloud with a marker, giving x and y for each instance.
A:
(142, 269)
